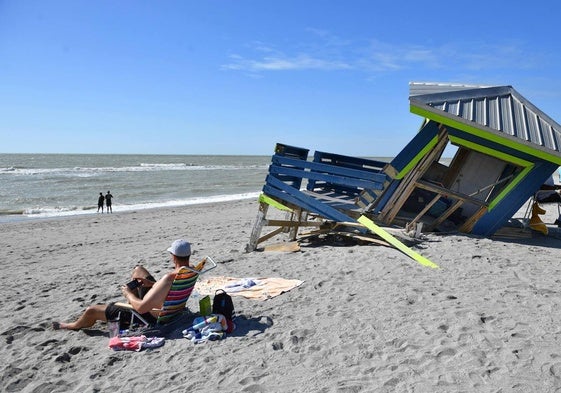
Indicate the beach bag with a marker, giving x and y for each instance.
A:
(223, 304)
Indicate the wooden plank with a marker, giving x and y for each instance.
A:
(319, 167)
(304, 201)
(407, 184)
(365, 238)
(396, 243)
(470, 222)
(270, 235)
(341, 199)
(512, 233)
(257, 227)
(271, 202)
(283, 247)
(390, 171)
(422, 213)
(444, 191)
(349, 161)
(326, 177)
(445, 215)
(290, 224)
(455, 166)
(346, 234)
(369, 195)
(314, 233)
(291, 151)
(297, 218)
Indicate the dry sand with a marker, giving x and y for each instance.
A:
(367, 318)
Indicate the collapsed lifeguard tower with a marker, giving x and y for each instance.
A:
(504, 148)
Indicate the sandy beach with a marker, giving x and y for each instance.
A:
(366, 319)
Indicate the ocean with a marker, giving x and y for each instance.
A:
(36, 186)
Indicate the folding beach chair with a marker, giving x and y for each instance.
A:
(176, 300)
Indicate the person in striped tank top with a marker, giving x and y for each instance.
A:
(144, 293)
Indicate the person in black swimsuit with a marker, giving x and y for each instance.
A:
(100, 202)
(108, 202)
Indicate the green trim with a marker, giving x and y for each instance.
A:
(527, 165)
(488, 151)
(486, 135)
(432, 143)
(271, 202)
(510, 186)
(396, 243)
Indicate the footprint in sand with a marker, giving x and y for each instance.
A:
(552, 369)
(298, 337)
(277, 346)
(250, 384)
(445, 352)
(19, 331)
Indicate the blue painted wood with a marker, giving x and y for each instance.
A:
(418, 143)
(324, 178)
(286, 197)
(330, 169)
(345, 181)
(296, 153)
(364, 165)
(340, 179)
(492, 145)
(493, 220)
(277, 188)
(349, 161)
(289, 199)
(388, 194)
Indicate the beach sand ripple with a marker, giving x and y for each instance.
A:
(366, 319)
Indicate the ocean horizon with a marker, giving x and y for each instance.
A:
(34, 186)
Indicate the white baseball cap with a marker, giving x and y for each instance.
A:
(180, 248)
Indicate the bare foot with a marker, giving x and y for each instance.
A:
(60, 325)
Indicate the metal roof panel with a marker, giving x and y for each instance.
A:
(498, 109)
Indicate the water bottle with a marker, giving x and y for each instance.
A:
(113, 326)
(201, 322)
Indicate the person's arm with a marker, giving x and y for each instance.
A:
(146, 283)
(154, 298)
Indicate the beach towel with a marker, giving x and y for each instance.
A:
(135, 343)
(261, 288)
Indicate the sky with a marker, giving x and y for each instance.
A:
(238, 76)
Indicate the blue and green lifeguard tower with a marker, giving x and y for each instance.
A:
(481, 153)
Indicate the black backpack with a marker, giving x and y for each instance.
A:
(223, 304)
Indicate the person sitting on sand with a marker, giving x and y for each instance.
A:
(151, 294)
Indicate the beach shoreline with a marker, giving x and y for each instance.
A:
(366, 318)
(123, 209)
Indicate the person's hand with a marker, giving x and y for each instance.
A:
(145, 282)
(126, 291)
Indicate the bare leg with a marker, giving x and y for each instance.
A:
(87, 319)
(140, 272)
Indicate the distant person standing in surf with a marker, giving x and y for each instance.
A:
(108, 197)
(100, 202)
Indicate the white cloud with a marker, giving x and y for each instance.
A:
(284, 63)
(330, 53)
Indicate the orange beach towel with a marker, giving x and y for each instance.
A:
(261, 288)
